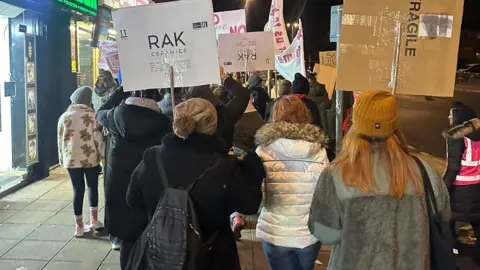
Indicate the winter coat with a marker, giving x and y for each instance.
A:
(230, 185)
(371, 230)
(101, 94)
(294, 157)
(166, 103)
(260, 98)
(134, 127)
(245, 129)
(228, 114)
(78, 138)
(318, 94)
(465, 200)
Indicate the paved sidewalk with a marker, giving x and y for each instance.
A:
(37, 224)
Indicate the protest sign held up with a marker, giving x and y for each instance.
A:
(251, 51)
(230, 22)
(179, 34)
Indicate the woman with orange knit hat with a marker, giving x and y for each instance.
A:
(370, 203)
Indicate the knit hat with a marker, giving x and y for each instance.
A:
(254, 81)
(375, 114)
(204, 92)
(194, 115)
(82, 95)
(300, 85)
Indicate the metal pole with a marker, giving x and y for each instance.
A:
(172, 87)
(397, 57)
(339, 106)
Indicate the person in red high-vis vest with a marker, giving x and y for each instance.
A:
(462, 175)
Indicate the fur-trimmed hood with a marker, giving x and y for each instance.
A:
(271, 132)
(469, 129)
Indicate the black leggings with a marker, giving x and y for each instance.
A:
(78, 175)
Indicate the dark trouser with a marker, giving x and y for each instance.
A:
(78, 176)
(125, 251)
(284, 258)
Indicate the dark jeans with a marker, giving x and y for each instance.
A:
(125, 251)
(78, 176)
(285, 258)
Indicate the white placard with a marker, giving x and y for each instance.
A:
(229, 22)
(151, 38)
(292, 60)
(252, 51)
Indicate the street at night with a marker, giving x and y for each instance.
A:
(423, 120)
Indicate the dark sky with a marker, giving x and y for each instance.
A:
(316, 18)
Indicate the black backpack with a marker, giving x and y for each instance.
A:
(173, 239)
(441, 239)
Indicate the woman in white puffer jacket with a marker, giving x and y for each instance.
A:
(294, 155)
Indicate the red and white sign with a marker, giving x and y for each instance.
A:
(292, 60)
(230, 22)
(133, 3)
(108, 56)
(276, 24)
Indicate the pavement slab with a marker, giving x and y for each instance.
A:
(34, 250)
(22, 264)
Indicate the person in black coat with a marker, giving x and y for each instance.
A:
(230, 184)
(133, 126)
(318, 93)
(464, 199)
(260, 96)
(300, 89)
(227, 114)
(284, 89)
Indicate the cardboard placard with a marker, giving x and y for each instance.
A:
(230, 22)
(179, 33)
(407, 47)
(328, 58)
(252, 51)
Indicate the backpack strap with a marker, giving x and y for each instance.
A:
(161, 170)
(163, 175)
(427, 186)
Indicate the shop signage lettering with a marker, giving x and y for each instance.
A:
(84, 6)
(412, 28)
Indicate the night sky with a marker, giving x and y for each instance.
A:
(316, 18)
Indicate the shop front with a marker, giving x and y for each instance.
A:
(20, 28)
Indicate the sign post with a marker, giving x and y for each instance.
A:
(339, 106)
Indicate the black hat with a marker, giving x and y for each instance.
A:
(300, 85)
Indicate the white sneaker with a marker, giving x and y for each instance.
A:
(96, 225)
(80, 231)
(116, 246)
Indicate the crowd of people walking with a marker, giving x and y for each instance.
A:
(180, 172)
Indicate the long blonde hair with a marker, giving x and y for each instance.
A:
(355, 161)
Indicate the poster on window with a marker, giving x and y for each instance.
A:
(251, 51)
(178, 35)
(31, 101)
(230, 22)
(108, 56)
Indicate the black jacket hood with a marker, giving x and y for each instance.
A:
(137, 123)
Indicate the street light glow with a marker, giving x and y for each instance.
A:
(288, 24)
